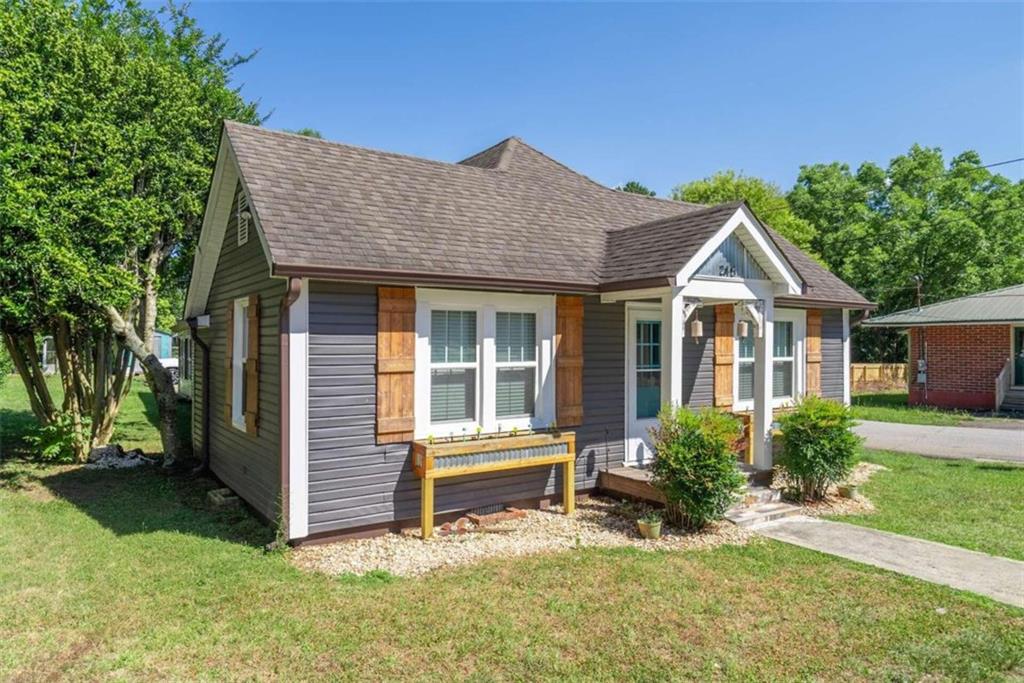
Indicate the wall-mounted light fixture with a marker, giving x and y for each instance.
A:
(743, 328)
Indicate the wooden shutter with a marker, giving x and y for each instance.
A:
(724, 354)
(252, 367)
(396, 363)
(813, 347)
(569, 361)
(229, 357)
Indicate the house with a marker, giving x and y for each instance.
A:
(966, 352)
(354, 310)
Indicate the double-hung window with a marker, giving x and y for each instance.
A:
(515, 346)
(787, 346)
(240, 354)
(483, 362)
(453, 366)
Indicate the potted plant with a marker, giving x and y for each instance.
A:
(650, 525)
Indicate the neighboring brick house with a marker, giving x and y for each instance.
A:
(967, 352)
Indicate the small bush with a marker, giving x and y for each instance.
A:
(695, 464)
(56, 441)
(818, 447)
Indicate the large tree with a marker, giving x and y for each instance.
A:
(109, 125)
(636, 187)
(763, 197)
(957, 228)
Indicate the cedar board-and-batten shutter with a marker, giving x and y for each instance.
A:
(396, 363)
(724, 355)
(814, 351)
(229, 356)
(252, 367)
(569, 361)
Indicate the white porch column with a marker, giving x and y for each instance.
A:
(763, 415)
(672, 326)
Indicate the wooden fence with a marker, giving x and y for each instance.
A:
(876, 376)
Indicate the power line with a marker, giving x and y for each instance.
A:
(1003, 163)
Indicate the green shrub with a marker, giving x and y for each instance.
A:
(818, 445)
(695, 464)
(56, 441)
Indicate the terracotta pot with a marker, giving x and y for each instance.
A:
(650, 530)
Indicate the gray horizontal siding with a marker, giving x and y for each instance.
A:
(699, 362)
(832, 353)
(354, 482)
(249, 465)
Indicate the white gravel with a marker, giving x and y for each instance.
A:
(598, 522)
(834, 504)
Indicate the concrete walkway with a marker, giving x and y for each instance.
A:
(999, 578)
(971, 443)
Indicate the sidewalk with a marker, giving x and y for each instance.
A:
(999, 578)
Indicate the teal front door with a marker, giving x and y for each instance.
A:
(1018, 356)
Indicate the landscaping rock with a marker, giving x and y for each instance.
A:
(597, 522)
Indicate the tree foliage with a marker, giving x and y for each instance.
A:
(308, 132)
(636, 188)
(110, 124)
(765, 199)
(957, 226)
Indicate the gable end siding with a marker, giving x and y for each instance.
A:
(249, 465)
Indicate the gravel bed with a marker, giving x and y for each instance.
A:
(834, 504)
(598, 522)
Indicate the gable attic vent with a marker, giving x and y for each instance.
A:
(244, 216)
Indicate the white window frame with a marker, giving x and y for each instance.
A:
(516, 365)
(486, 305)
(798, 317)
(461, 365)
(239, 354)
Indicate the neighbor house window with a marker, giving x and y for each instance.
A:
(515, 342)
(481, 362)
(240, 352)
(453, 366)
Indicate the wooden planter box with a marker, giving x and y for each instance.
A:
(491, 454)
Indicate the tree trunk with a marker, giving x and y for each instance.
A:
(26, 361)
(159, 379)
(73, 406)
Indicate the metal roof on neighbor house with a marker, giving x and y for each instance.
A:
(998, 306)
(508, 214)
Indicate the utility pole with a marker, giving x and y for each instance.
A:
(918, 281)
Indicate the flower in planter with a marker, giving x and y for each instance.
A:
(479, 429)
(430, 439)
(515, 431)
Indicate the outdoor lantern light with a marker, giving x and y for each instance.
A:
(696, 328)
(744, 328)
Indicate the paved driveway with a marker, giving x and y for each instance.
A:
(972, 443)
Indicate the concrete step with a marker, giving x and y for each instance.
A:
(758, 495)
(759, 514)
(755, 477)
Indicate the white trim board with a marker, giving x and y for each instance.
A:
(298, 415)
(757, 241)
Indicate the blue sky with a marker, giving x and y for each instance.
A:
(658, 93)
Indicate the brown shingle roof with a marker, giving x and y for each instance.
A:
(508, 213)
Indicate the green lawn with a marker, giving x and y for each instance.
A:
(892, 407)
(976, 505)
(127, 574)
(135, 426)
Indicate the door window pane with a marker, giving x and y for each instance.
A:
(514, 392)
(648, 368)
(452, 394)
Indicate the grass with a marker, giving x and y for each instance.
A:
(135, 426)
(892, 407)
(975, 505)
(127, 574)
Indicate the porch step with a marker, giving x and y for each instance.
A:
(1014, 401)
(758, 495)
(761, 513)
(755, 477)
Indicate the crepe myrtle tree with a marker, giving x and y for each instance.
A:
(110, 117)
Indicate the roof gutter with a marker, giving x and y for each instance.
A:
(880, 322)
(291, 295)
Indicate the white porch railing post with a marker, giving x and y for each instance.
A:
(672, 331)
(763, 414)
